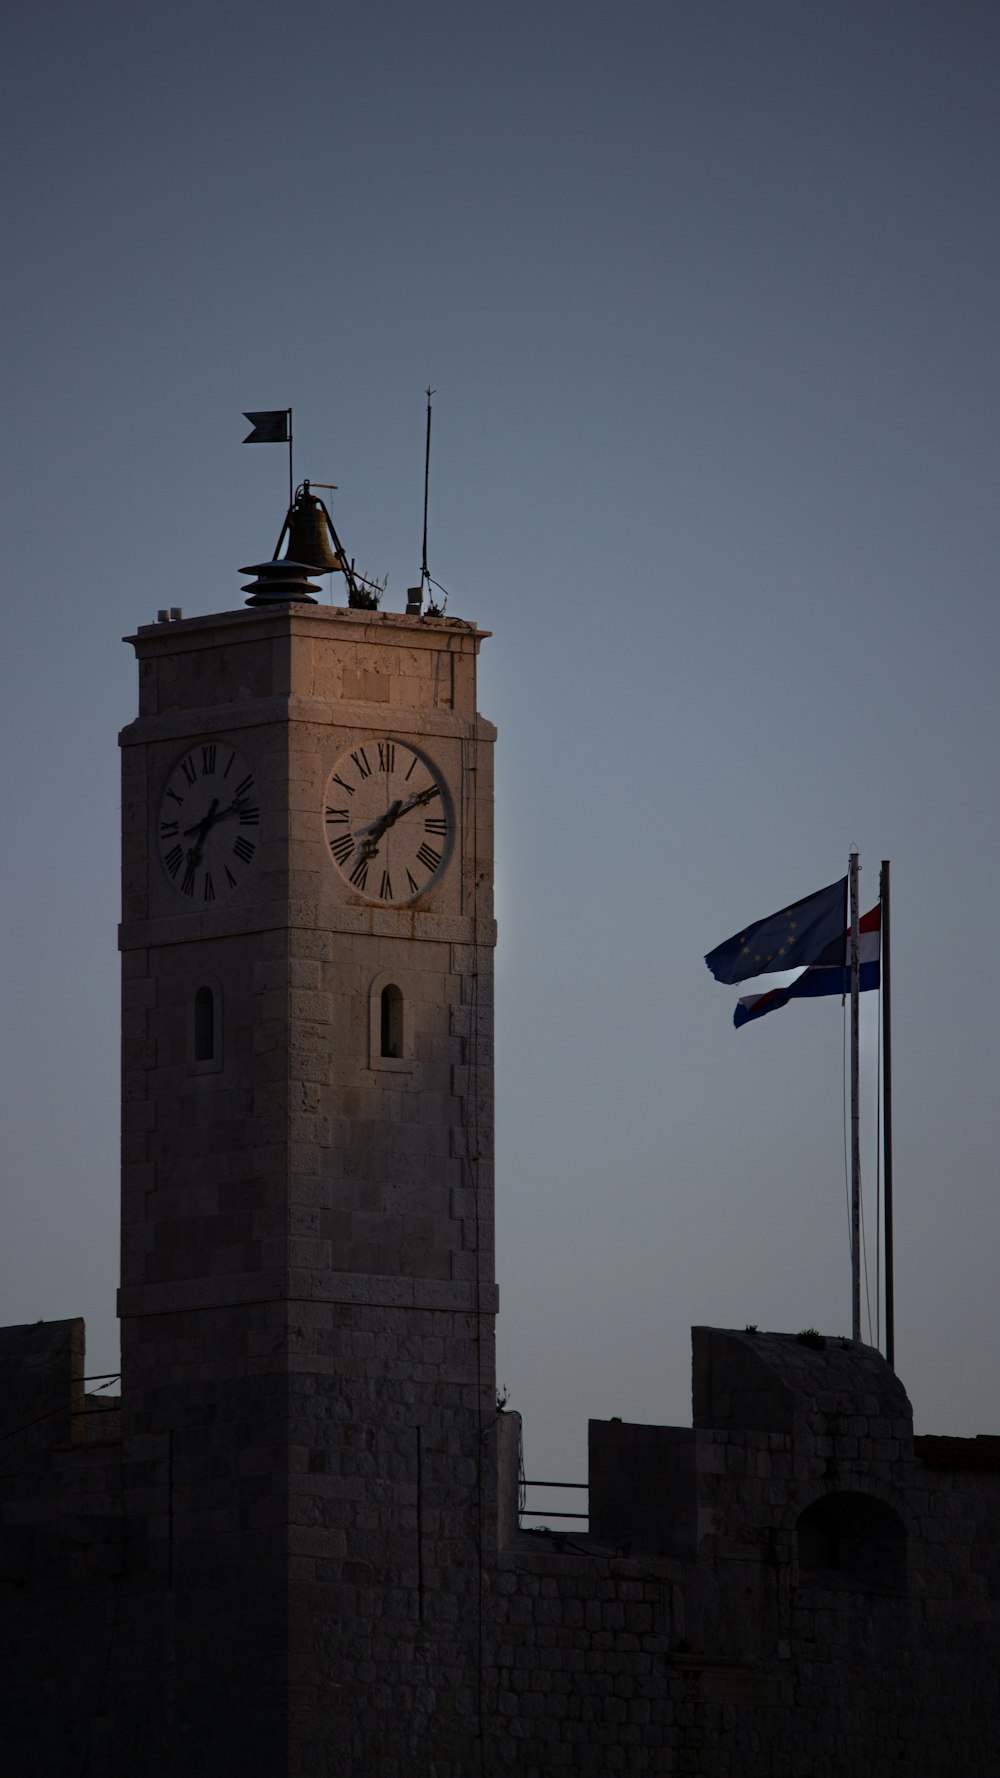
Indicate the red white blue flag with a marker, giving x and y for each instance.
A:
(830, 974)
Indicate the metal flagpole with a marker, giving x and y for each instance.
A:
(886, 980)
(424, 573)
(291, 482)
(853, 868)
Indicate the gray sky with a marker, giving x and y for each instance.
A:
(708, 293)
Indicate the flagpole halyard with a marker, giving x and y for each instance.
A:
(853, 869)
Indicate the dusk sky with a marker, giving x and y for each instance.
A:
(708, 293)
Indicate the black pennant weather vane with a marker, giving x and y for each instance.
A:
(273, 425)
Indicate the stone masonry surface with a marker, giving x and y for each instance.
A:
(833, 1612)
(292, 1548)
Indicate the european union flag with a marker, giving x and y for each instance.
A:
(830, 974)
(790, 939)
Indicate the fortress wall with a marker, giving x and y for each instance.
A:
(818, 1601)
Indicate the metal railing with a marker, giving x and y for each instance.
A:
(538, 1512)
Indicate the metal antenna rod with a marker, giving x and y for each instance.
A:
(424, 574)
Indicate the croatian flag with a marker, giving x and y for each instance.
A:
(830, 974)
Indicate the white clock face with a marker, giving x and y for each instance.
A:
(208, 822)
(388, 821)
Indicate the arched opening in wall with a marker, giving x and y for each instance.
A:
(852, 1542)
(204, 1026)
(392, 1021)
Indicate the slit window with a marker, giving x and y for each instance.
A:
(392, 1022)
(204, 1025)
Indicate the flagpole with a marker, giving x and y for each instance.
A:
(291, 478)
(853, 868)
(886, 980)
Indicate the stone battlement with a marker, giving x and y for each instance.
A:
(791, 1584)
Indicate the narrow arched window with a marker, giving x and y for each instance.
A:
(390, 1025)
(392, 1021)
(204, 1025)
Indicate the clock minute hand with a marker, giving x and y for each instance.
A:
(235, 808)
(420, 800)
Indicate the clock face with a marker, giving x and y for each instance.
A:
(208, 821)
(388, 820)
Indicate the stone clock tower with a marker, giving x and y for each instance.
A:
(308, 1290)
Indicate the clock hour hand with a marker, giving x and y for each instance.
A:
(201, 827)
(374, 833)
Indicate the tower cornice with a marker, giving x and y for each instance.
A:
(342, 713)
(358, 626)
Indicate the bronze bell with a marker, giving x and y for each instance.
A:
(310, 534)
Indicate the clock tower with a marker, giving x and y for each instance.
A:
(308, 1291)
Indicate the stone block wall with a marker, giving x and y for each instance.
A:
(66, 1543)
(837, 1616)
(836, 1611)
(642, 1486)
(391, 1508)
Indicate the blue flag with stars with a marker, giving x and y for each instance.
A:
(790, 939)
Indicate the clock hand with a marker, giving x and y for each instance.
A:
(377, 828)
(369, 845)
(196, 852)
(418, 801)
(201, 827)
(215, 814)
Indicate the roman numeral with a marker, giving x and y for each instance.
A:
(189, 770)
(232, 758)
(207, 761)
(414, 886)
(243, 849)
(409, 774)
(359, 875)
(386, 889)
(187, 882)
(335, 816)
(174, 859)
(386, 756)
(244, 788)
(209, 893)
(342, 847)
(435, 824)
(174, 797)
(361, 761)
(167, 829)
(428, 857)
(230, 879)
(348, 787)
(249, 814)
